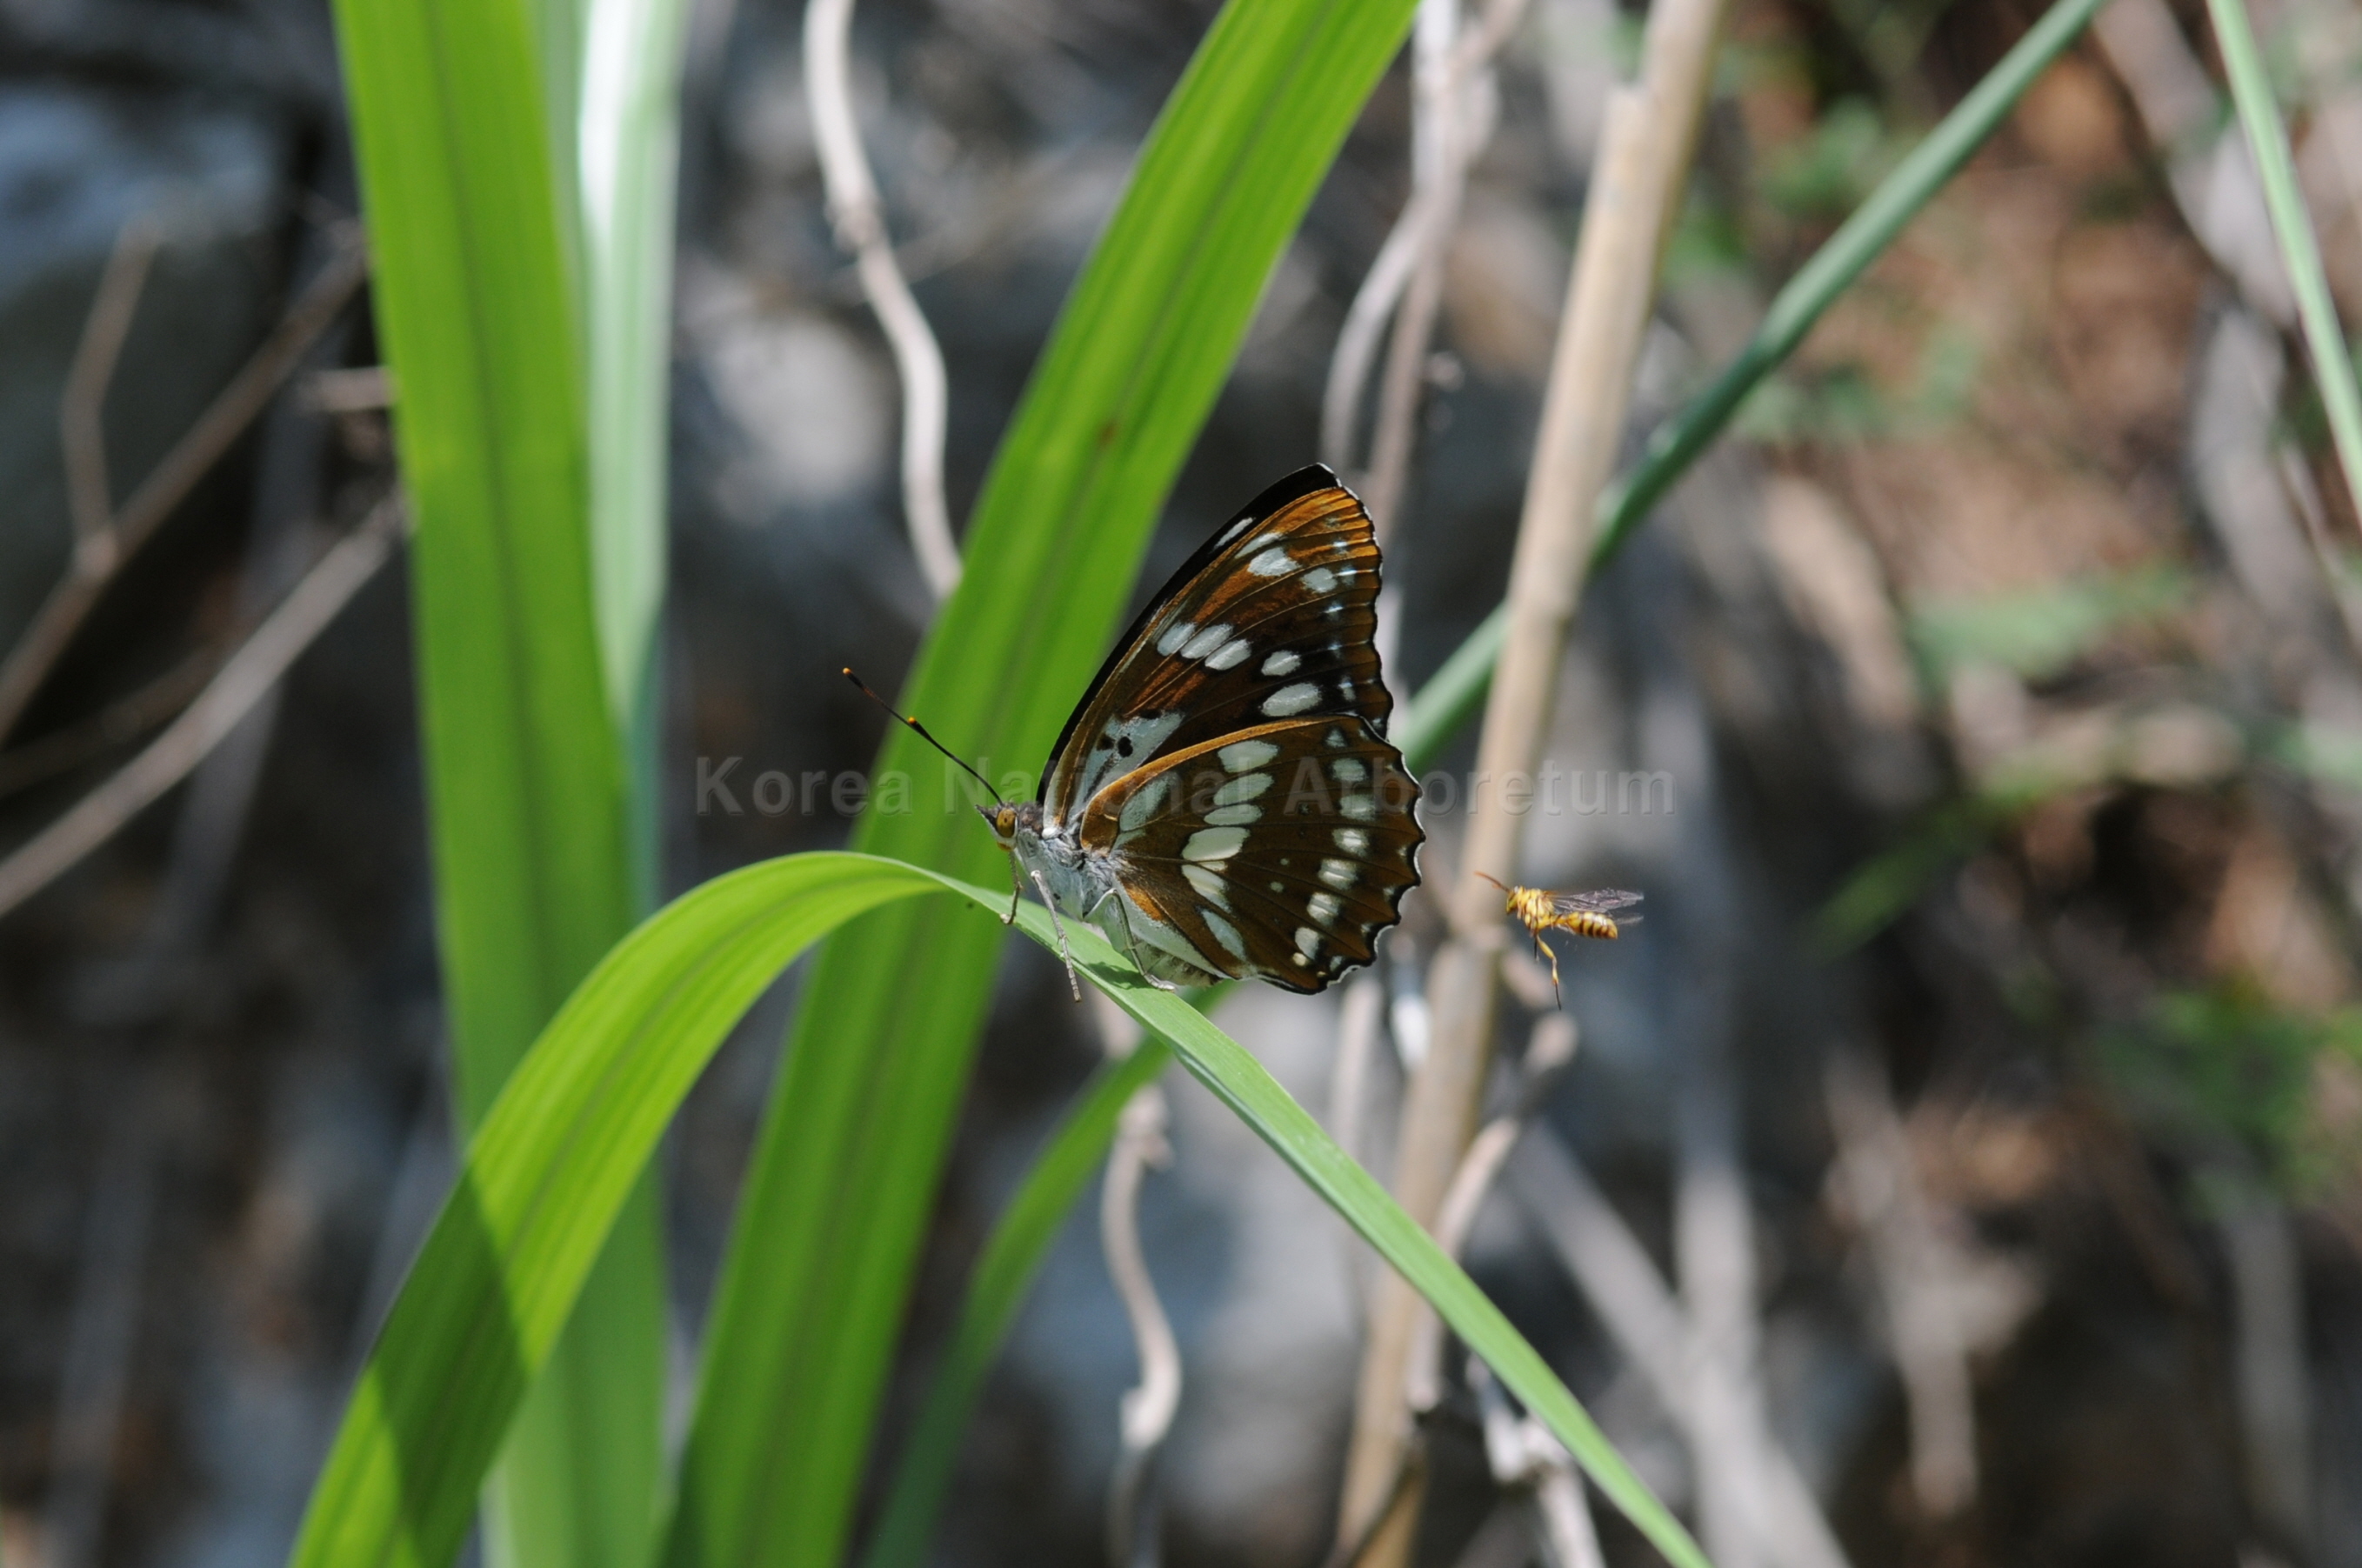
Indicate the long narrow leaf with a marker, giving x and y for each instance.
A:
(476, 298)
(817, 1275)
(551, 1165)
(2260, 116)
(1445, 704)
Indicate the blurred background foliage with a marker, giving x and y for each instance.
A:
(2007, 662)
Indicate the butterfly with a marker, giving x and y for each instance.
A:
(1584, 914)
(1223, 803)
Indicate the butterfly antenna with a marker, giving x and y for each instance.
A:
(862, 687)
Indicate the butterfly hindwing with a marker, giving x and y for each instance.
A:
(1272, 619)
(1279, 851)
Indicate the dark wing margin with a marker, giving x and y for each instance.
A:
(1279, 853)
(1275, 619)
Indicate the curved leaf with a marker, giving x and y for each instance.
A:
(553, 1161)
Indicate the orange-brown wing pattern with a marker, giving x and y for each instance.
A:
(1279, 852)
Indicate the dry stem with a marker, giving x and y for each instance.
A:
(861, 228)
(1642, 160)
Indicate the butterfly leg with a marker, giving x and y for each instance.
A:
(1131, 945)
(1017, 892)
(1058, 925)
(1133, 940)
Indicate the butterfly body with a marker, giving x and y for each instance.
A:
(1223, 801)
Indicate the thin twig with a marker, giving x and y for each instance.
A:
(245, 679)
(1522, 1453)
(1548, 1055)
(290, 475)
(1453, 97)
(1619, 1279)
(1146, 1414)
(81, 426)
(1360, 1018)
(233, 407)
(1148, 1409)
(1642, 165)
(861, 228)
(1447, 107)
(124, 719)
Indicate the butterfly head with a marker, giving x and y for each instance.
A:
(1008, 821)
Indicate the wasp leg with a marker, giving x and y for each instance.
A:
(1042, 883)
(1543, 948)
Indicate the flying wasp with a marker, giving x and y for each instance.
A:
(1584, 914)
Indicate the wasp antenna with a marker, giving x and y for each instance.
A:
(1496, 881)
(863, 687)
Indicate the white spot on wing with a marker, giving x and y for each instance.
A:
(1353, 841)
(1226, 933)
(1320, 579)
(1348, 770)
(1323, 907)
(1290, 700)
(1145, 804)
(1360, 808)
(1240, 756)
(1245, 789)
(1210, 885)
(1175, 635)
(1308, 940)
(1234, 816)
(1338, 874)
(1271, 563)
(1284, 662)
(1232, 655)
(1205, 642)
(1214, 844)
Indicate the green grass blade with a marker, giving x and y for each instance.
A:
(556, 1156)
(476, 302)
(1439, 709)
(629, 154)
(1004, 1273)
(815, 1286)
(2259, 115)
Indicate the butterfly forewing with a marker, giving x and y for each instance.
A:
(1271, 620)
(1279, 851)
